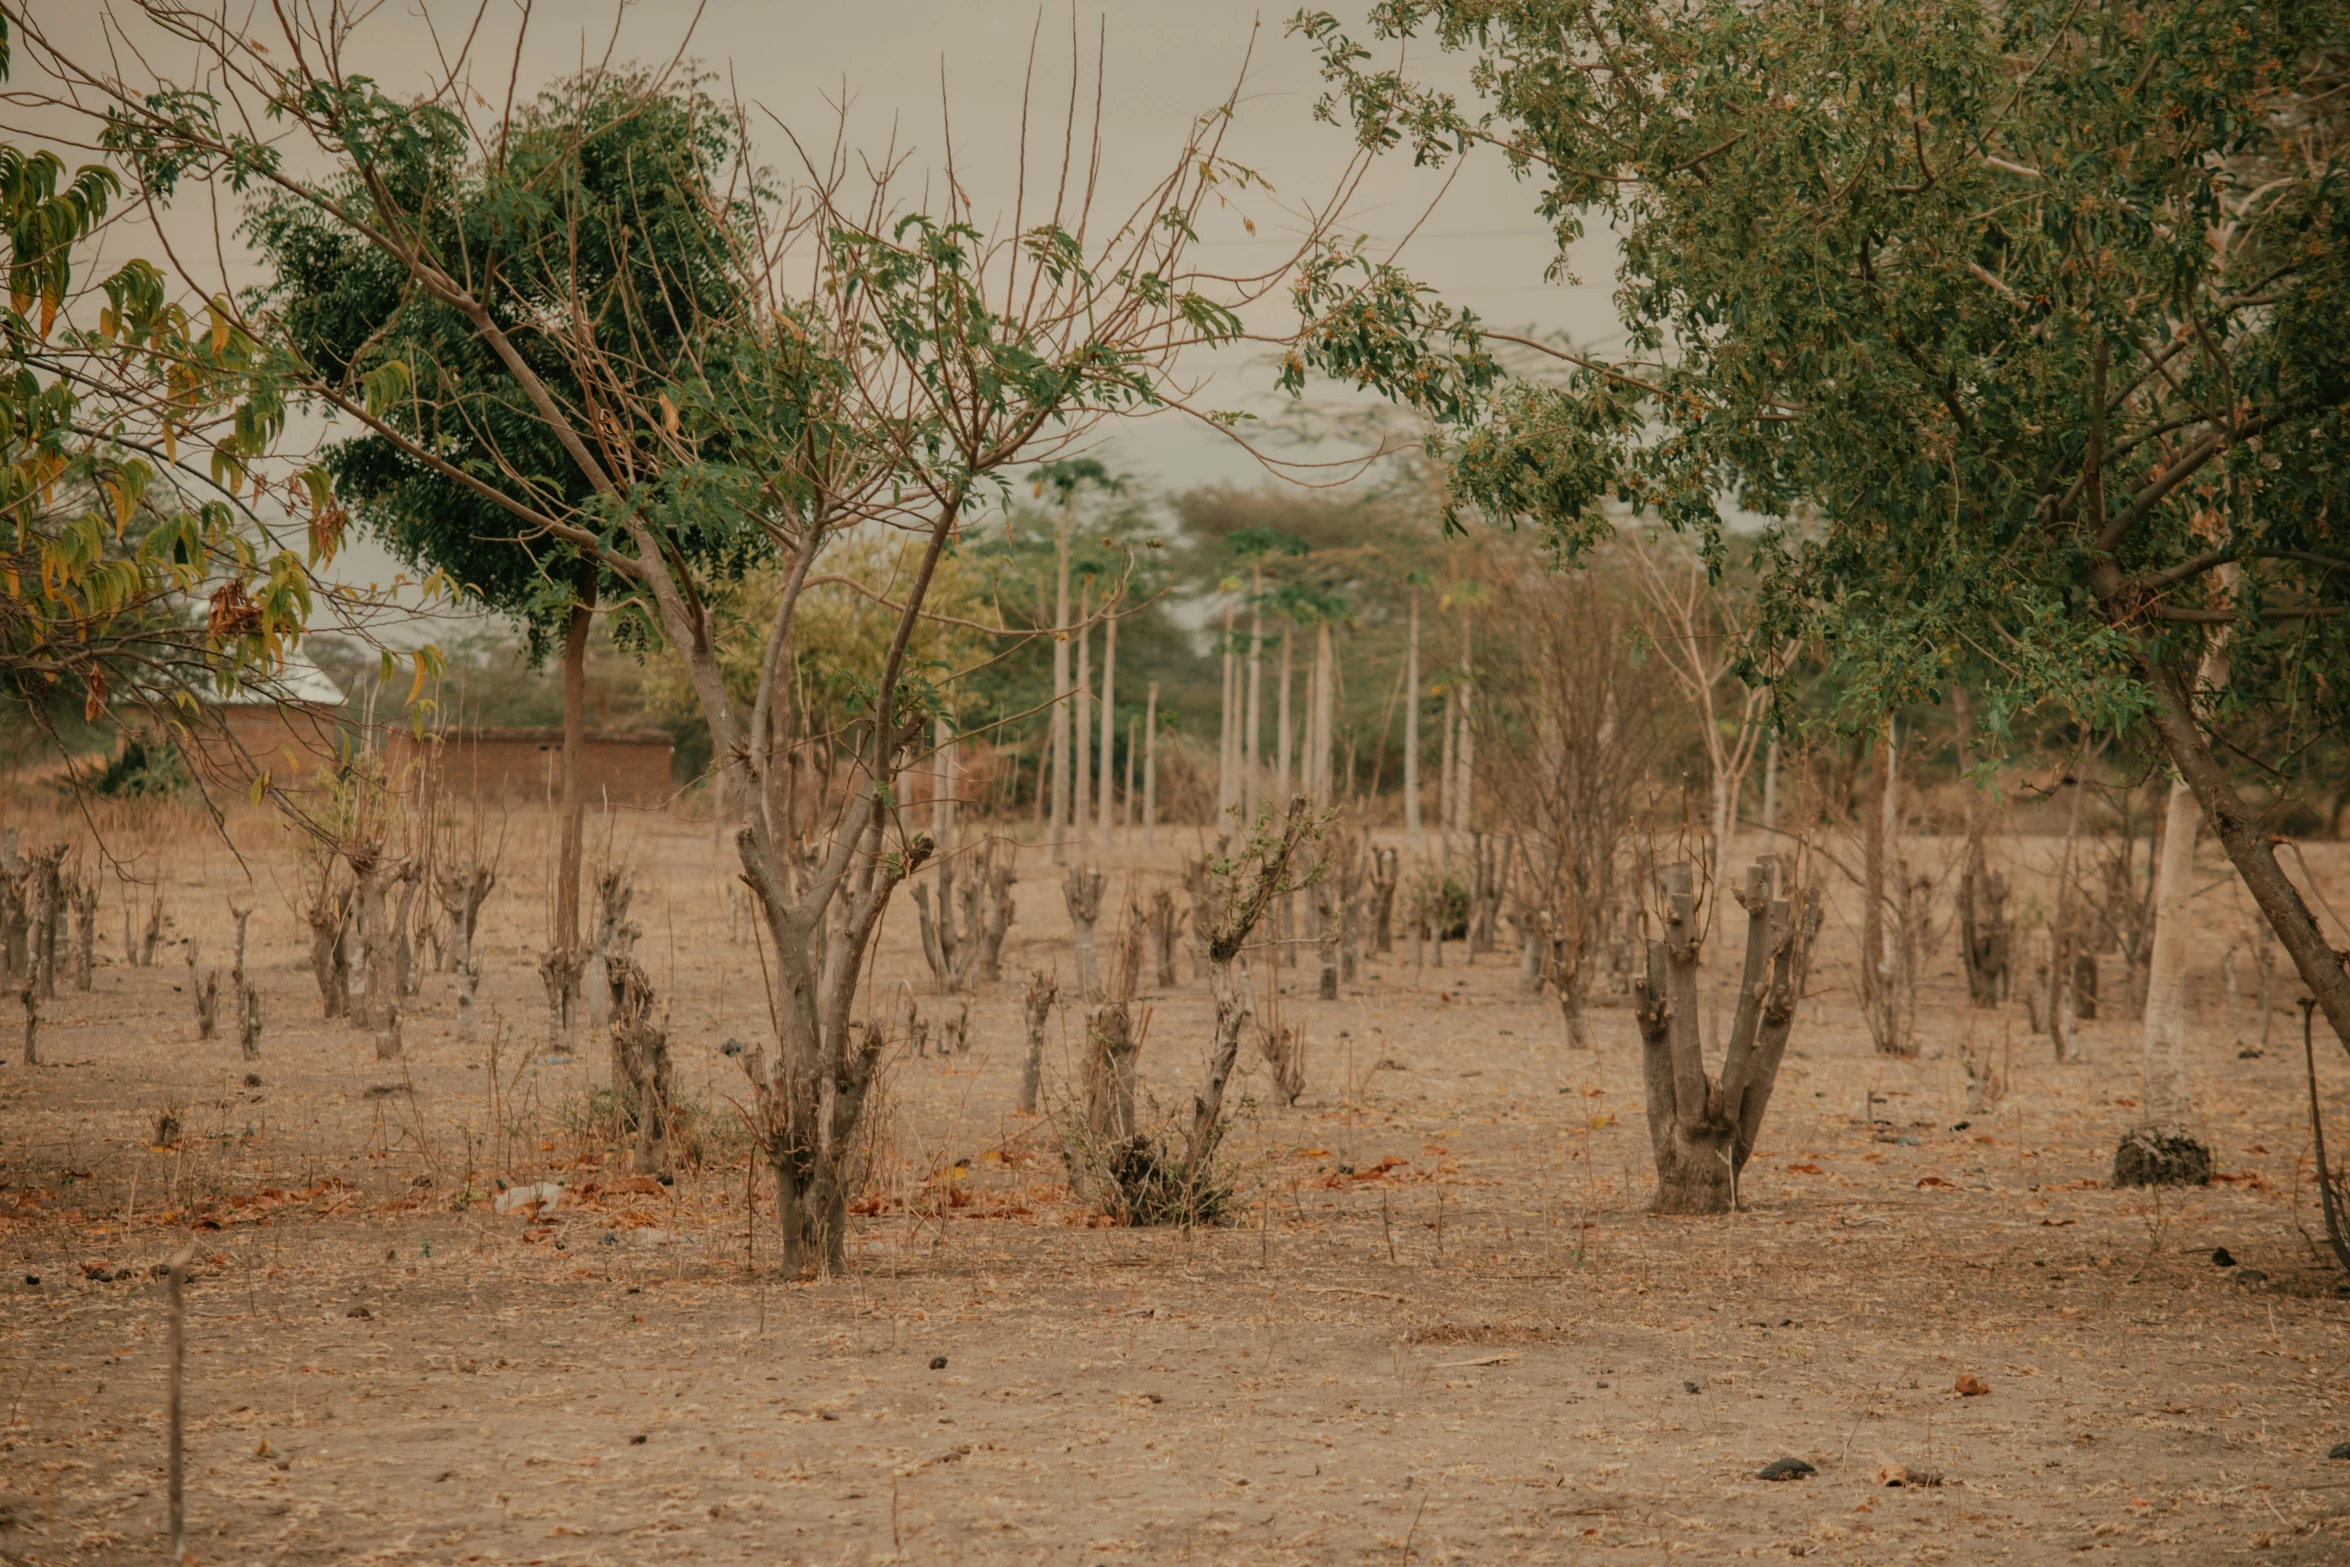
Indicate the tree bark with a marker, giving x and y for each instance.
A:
(575, 641)
(1252, 731)
(2233, 823)
(1150, 771)
(1109, 735)
(1060, 724)
(2165, 1094)
(1038, 1008)
(1081, 729)
(1411, 729)
(1701, 1132)
(1081, 890)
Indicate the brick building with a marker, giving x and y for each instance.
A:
(628, 768)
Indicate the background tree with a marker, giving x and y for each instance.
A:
(600, 206)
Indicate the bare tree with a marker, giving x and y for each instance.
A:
(1572, 716)
(1699, 631)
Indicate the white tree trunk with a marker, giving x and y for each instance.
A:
(1251, 786)
(1081, 723)
(1060, 735)
(2166, 1096)
(1150, 771)
(1228, 725)
(1284, 753)
(1411, 731)
(1109, 733)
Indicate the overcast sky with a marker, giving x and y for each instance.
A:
(897, 61)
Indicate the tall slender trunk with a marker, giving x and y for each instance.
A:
(1444, 765)
(2165, 1098)
(1872, 913)
(1325, 682)
(1464, 791)
(1229, 723)
(1770, 809)
(575, 641)
(1411, 729)
(1059, 807)
(1126, 807)
(1081, 727)
(1252, 788)
(2060, 938)
(1283, 754)
(1150, 771)
(1109, 745)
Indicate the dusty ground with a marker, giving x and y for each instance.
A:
(1442, 1331)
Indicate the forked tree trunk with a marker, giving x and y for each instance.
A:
(1702, 1130)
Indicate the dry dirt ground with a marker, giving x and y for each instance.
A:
(1440, 1330)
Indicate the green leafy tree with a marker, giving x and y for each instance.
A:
(2028, 322)
(602, 206)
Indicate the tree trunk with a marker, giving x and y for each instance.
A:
(1228, 725)
(1252, 731)
(84, 895)
(1285, 737)
(2062, 953)
(1150, 772)
(1054, 831)
(1081, 728)
(1081, 891)
(1873, 869)
(640, 1062)
(1038, 1008)
(1109, 1074)
(2165, 1095)
(1164, 923)
(1701, 1132)
(1107, 804)
(1411, 730)
(575, 641)
(1318, 768)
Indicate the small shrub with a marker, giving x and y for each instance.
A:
(144, 769)
(1141, 1181)
(698, 1137)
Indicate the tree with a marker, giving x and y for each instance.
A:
(604, 200)
(2021, 321)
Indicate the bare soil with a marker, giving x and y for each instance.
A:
(1440, 1330)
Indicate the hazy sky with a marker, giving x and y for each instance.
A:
(896, 61)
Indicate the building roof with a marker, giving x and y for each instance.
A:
(299, 684)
